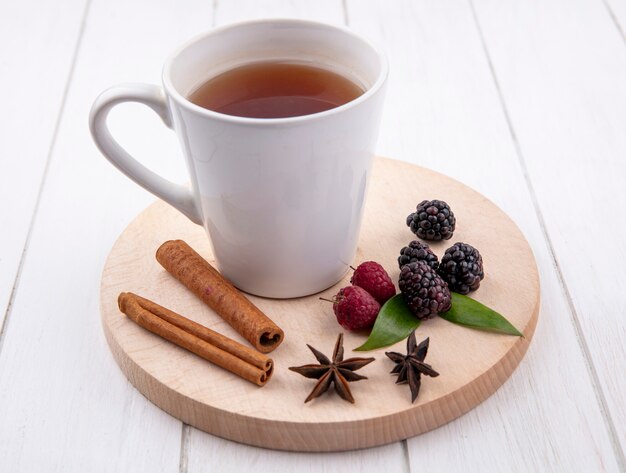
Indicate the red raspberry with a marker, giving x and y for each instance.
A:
(374, 279)
(355, 308)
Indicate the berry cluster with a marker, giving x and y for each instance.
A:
(461, 266)
(357, 306)
(425, 282)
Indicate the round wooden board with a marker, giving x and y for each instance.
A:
(472, 364)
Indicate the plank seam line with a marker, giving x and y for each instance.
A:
(407, 456)
(44, 176)
(185, 433)
(346, 16)
(595, 381)
(615, 20)
(215, 7)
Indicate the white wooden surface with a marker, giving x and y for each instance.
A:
(566, 98)
(525, 101)
(32, 101)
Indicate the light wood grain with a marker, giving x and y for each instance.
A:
(472, 364)
(443, 111)
(568, 111)
(32, 46)
(64, 406)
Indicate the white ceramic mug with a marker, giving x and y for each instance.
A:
(281, 199)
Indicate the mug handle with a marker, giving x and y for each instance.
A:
(176, 195)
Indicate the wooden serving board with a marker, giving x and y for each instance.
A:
(472, 364)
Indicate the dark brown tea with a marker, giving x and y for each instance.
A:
(275, 90)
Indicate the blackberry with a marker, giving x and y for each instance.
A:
(462, 268)
(432, 220)
(418, 251)
(424, 291)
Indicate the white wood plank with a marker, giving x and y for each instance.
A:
(329, 11)
(561, 67)
(208, 453)
(443, 111)
(64, 404)
(37, 45)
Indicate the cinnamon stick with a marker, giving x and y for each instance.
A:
(182, 262)
(204, 342)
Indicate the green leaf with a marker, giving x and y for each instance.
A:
(395, 322)
(471, 313)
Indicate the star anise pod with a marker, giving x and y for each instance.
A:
(337, 371)
(411, 366)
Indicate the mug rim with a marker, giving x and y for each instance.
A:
(185, 102)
